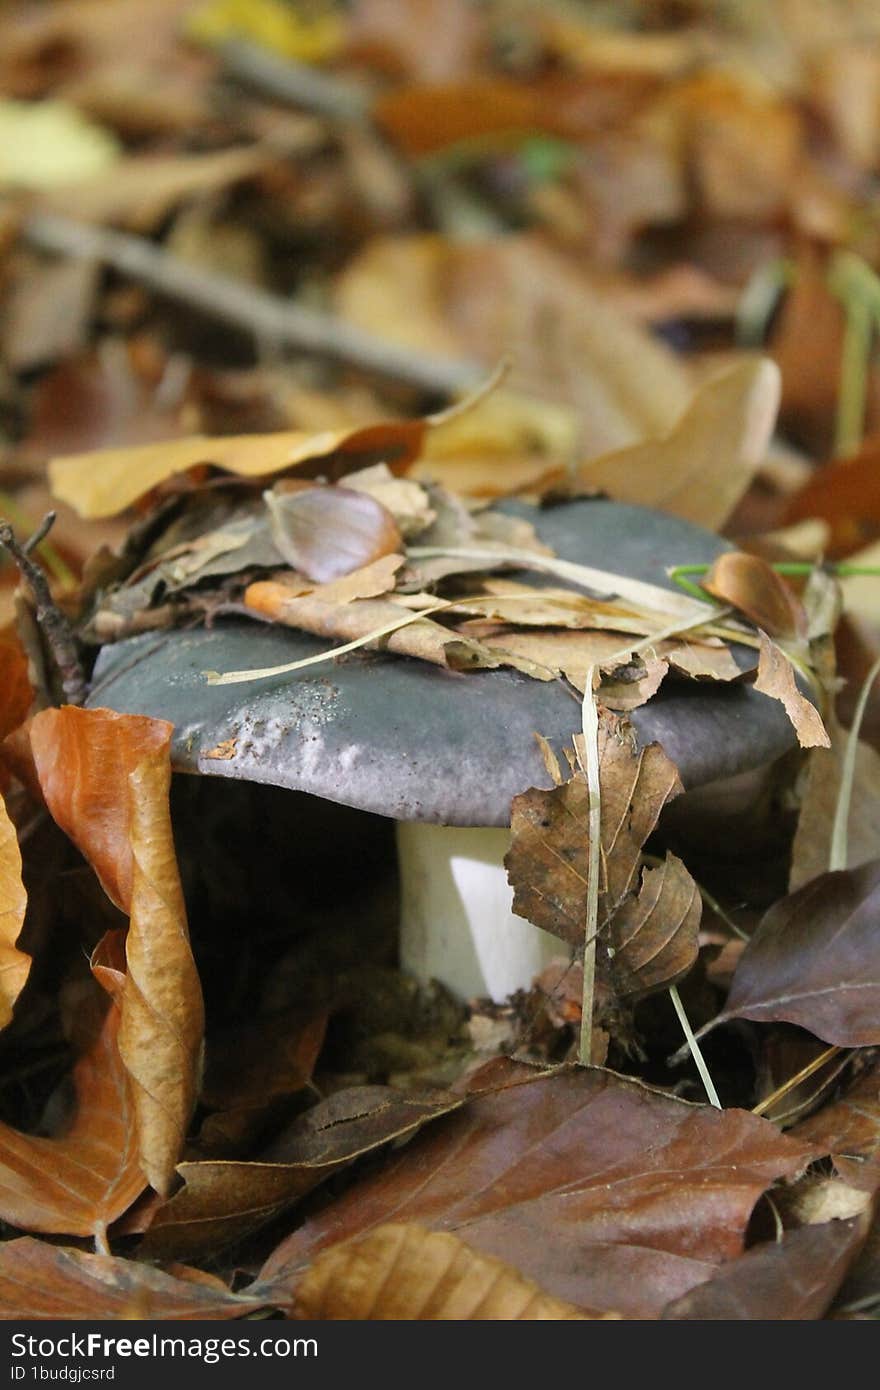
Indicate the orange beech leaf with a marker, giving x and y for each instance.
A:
(107, 481)
(15, 687)
(776, 678)
(753, 586)
(43, 1281)
(80, 1182)
(106, 779)
(14, 964)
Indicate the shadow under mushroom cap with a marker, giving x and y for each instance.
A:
(395, 736)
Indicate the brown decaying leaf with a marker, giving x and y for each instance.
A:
(752, 585)
(795, 1278)
(42, 1281)
(776, 678)
(821, 788)
(14, 964)
(222, 1201)
(846, 495)
(107, 481)
(849, 1129)
(814, 960)
(654, 935)
(326, 532)
(547, 864)
(80, 1182)
(106, 779)
(607, 1194)
(407, 1273)
(702, 468)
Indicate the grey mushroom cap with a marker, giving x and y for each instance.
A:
(400, 738)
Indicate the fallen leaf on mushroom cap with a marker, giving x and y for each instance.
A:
(107, 481)
(42, 1281)
(223, 1200)
(607, 1194)
(14, 964)
(326, 532)
(776, 678)
(106, 780)
(406, 500)
(814, 960)
(407, 1273)
(794, 1278)
(702, 468)
(752, 585)
(81, 1181)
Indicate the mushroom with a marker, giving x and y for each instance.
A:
(442, 754)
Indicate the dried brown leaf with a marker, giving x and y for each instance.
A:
(107, 481)
(814, 960)
(776, 678)
(607, 1194)
(547, 860)
(326, 532)
(80, 1182)
(407, 1273)
(106, 779)
(654, 935)
(42, 1281)
(819, 797)
(702, 468)
(222, 1201)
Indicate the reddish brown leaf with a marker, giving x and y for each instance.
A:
(222, 1201)
(106, 779)
(654, 935)
(607, 1194)
(849, 1129)
(78, 1183)
(15, 687)
(42, 1281)
(815, 961)
(326, 532)
(795, 1278)
(846, 495)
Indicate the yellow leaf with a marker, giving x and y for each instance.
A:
(306, 37)
(104, 482)
(701, 469)
(45, 143)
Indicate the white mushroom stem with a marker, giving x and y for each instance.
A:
(457, 920)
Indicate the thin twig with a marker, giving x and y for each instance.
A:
(589, 764)
(295, 84)
(269, 318)
(54, 625)
(694, 1048)
(839, 852)
(769, 1101)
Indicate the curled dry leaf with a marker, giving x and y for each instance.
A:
(814, 960)
(106, 780)
(752, 585)
(79, 1183)
(42, 1281)
(14, 964)
(407, 1273)
(326, 532)
(849, 1129)
(222, 1201)
(107, 481)
(703, 467)
(607, 1194)
(776, 678)
(654, 935)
